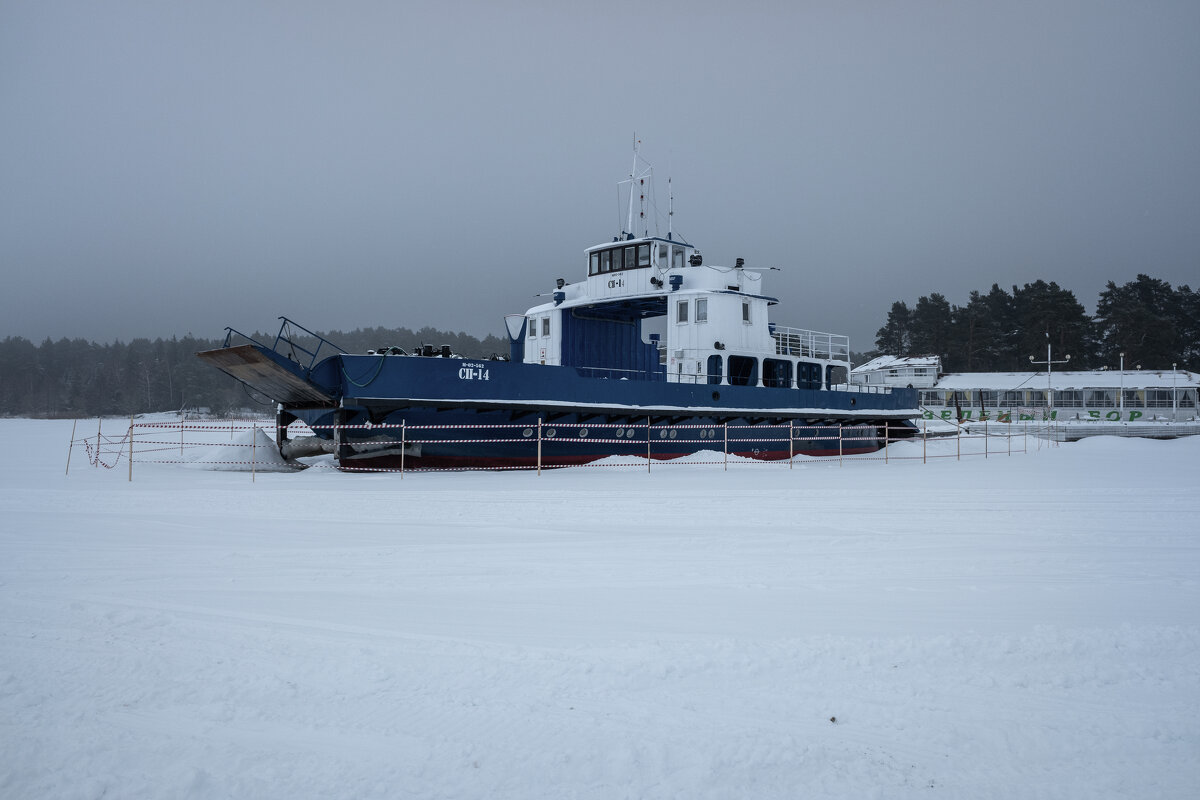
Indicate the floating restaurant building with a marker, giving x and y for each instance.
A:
(1132, 395)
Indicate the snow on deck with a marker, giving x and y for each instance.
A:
(1010, 627)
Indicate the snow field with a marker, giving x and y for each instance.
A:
(1007, 627)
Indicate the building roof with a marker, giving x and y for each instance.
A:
(1090, 379)
(896, 362)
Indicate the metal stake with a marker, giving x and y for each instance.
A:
(71, 446)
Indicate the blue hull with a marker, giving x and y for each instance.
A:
(388, 412)
(424, 438)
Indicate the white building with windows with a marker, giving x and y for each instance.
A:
(1108, 395)
(913, 372)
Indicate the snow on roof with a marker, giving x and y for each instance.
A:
(894, 362)
(1112, 378)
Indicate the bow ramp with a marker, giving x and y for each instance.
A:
(288, 372)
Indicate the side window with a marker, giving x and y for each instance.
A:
(676, 257)
(643, 253)
(661, 259)
(545, 326)
(618, 260)
(606, 261)
(681, 311)
(630, 257)
(594, 264)
(745, 311)
(702, 310)
(533, 327)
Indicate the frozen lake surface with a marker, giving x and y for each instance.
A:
(1024, 626)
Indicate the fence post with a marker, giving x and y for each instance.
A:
(1008, 438)
(791, 441)
(71, 446)
(841, 429)
(99, 427)
(403, 444)
(539, 447)
(253, 452)
(887, 435)
(985, 441)
(924, 439)
(958, 443)
(647, 444)
(130, 448)
(181, 438)
(725, 425)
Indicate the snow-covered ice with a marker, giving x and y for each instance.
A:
(1024, 626)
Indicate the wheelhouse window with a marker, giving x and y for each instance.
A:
(702, 309)
(661, 255)
(676, 257)
(625, 257)
(745, 311)
(545, 326)
(533, 327)
(681, 311)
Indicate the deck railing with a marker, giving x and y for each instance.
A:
(813, 344)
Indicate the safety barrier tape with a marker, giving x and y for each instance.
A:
(769, 436)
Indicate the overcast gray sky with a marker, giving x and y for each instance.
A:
(168, 168)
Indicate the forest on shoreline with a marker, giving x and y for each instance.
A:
(1152, 323)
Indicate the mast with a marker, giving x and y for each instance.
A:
(632, 184)
(636, 180)
(670, 208)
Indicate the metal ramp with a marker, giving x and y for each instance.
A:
(262, 372)
(280, 371)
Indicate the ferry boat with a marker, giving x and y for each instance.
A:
(650, 352)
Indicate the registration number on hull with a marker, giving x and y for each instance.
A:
(473, 372)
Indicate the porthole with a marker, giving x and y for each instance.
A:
(716, 395)
(630, 433)
(620, 433)
(551, 433)
(527, 432)
(583, 432)
(672, 433)
(662, 434)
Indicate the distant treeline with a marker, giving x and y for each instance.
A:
(78, 378)
(1153, 324)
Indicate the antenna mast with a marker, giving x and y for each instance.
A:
(637, 180)
(670, 208)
